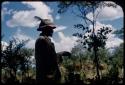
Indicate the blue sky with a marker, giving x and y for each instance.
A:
(17, 21)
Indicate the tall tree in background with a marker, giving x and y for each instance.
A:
(95, 39)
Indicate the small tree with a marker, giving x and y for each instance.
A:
(15, 56)
(93, 40)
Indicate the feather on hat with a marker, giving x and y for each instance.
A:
(45, 23)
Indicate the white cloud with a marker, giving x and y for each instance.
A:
(3, 45)
(40, 9)
(5, 11)
(31, 43)
(22, 18)
(60, 28)
(99, 25)
(5, 2)
(57, 17)
(21, 36)
(66, 43)
(25, 18)
(107, 13)
(112, 41)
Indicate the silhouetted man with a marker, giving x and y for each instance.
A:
(47, 70)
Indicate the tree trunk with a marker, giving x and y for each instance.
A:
(97, 63)
(95, 47)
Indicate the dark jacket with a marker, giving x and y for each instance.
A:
(46, 59)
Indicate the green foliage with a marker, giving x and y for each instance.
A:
(94, 41)
(83, 6)
(118, 55)
(79, 65)
(15, 58)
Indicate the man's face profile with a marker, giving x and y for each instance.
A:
(48, 31)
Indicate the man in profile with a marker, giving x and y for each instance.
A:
(47, 70)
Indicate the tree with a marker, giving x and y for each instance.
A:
(94, 40)
(14, 57)
(26, 64)
(117, 57)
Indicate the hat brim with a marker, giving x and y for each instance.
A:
(50, 26)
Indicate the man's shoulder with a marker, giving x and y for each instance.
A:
(43, 38)
(40, 38)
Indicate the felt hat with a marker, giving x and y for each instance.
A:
(46, 23)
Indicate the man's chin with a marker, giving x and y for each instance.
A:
(50, 35)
